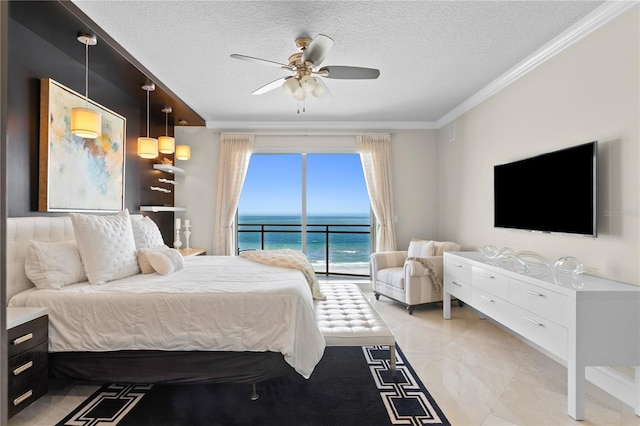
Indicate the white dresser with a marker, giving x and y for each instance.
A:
(586, 322)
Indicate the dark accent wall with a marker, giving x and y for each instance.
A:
(42, 43)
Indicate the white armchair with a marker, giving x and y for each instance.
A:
(411, 277)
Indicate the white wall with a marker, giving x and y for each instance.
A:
(588, 92)
(415, 176)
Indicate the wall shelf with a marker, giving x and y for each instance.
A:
(156, 209)
(169, 169)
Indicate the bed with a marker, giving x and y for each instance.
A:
(220, 318)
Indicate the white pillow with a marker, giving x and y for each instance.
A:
(165, 262)
(143, 258)
(146, 233)
(53, 264)
(420, 248)
(106, 246)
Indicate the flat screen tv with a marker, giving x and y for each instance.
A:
(552, 192)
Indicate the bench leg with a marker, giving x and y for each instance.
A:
(392, 359)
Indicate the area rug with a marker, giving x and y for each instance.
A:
(350, 386)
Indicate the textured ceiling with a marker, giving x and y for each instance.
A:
(432, 55)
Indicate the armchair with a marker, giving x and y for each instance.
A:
(411, 277)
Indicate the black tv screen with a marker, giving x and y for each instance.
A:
(552, 192)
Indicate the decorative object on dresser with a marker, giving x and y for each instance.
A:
(593, 323)
(412, 277)
(93, 178)
(27, 372)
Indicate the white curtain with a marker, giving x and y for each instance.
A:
(233, 161)
(375, 155)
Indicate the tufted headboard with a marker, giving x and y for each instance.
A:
(21, 230)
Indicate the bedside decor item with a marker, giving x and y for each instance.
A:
(177, 243)
(166, 144)
(148, 147)
(78, 174)
(86, 122)
(187, 232)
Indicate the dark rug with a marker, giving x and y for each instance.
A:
(350, 386)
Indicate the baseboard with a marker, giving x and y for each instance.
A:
(615, 383)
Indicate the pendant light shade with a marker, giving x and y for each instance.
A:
(166, 144)
(86, 123)
(183, 152)
(148, 147)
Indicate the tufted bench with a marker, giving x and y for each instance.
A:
(347, 318)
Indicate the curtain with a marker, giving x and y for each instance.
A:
(375, 155)
(233, 162)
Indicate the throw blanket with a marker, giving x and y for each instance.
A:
(288, 258)
(434, 268)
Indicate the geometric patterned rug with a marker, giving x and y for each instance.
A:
(339, 392)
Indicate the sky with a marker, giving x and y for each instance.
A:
(335, 185)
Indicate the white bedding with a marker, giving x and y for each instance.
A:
(216, 303)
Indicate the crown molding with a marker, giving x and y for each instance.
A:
(596, 19)
(340, 125)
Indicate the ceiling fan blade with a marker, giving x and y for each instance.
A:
(318, 49)
(269, 87)
(349, 73)
(258, 60)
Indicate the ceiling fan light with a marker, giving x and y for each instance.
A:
(308, 83)
(291, 85)
(318, 90)
(299, 94)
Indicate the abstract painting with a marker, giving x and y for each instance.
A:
(78, 174)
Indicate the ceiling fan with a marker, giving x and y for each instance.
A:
(305, 69)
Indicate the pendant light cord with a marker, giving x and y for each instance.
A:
(86, 74)
(148, 113)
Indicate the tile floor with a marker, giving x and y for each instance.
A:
(477, 373)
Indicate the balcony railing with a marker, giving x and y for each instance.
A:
(332, 249)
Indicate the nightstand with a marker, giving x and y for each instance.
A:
(28, 366)
(192, 252)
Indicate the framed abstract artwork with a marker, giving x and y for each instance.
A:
(78, 174)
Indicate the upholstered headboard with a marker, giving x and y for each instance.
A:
(21, 230)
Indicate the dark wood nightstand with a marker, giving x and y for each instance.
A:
(28, 366)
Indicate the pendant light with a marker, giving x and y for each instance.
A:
(86, 123)
(166, 144)
(183, 152)
(148, 147)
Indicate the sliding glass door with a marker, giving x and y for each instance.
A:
(316, 203)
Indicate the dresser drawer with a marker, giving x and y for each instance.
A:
(543, 302)
(28, 377)
(490, 305)
(540, 331)
(28, 335)
(491, 282)
(455, 268)
(458, 288)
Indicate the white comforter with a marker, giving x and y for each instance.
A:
(215, 304)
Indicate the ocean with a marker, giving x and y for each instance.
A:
(348, 251)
